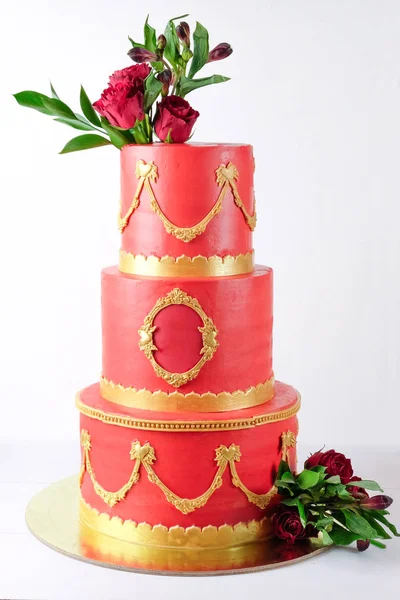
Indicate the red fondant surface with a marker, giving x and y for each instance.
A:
(240, 307)
(186, 190)
(185, 463)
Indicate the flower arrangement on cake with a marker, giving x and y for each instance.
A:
(144, 99)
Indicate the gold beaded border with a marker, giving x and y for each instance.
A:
(185, 266)
(190, 402)
(176, 536)
(185, 426)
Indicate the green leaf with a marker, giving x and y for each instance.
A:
(188, 85)
(357, 524)
(287, 477)
(171, 51)
(380, 532)
(118, 138)
(74, 123)
(343, 537)
(150, 36)
(324, 522)
(85, 142)
(34, 100)
(318, 469)
(367, 484)
(307, 479)
(282, 468)
(53, 92)
(378, 544)
(88, 109)
(153, 88)
(136, 44)
(333, 479)
(302, 512)
(290, 501)
(58, 108)
(377, 514)
(326, 538)
(200, 49)
(279, 483)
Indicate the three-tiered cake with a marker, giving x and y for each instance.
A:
(182, 437)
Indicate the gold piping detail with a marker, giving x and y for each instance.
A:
(176, 536)
(208, 333)
(226, 177)
(185, 426)
(145, 456)
(190, 402)
(185, 266)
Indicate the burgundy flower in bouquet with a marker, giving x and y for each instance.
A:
(174, 119)
(327, 505)
(335, 463)
(144, 98)
(286, 524)
(122, 102)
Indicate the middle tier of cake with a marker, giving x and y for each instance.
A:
(200, 345)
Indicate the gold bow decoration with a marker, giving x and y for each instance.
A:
(145, 456)
(226, 177)
(208, 332)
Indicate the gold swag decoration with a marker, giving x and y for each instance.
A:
(145, 456)
(208, 332)
(226, 177)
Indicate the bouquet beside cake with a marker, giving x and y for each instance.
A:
(188, 443)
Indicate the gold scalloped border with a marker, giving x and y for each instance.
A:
(185, 426)
(176, 536)
(190, 402)
(185, 266)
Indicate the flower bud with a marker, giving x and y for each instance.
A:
(362, 545)
(183, 33)
(161, 42)
(376, 502)
(166, 78)
(142, 55)
(220, 52)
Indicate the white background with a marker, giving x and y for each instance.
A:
(315, 88)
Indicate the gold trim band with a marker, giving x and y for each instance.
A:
(145, 456)
(185, 266)
(185, 426)
(180, 537)
(191, 402)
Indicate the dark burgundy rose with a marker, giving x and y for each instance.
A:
(355, 490)
(362, 545)
(335, 463)
(174, 118)
(183, 33)
(220, 52)
(141, 55)
(122, 102)
(286, 524)
(376, 502)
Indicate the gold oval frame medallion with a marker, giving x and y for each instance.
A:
(208, 332)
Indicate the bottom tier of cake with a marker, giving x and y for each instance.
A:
(183, 480)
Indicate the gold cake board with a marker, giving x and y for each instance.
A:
(52, 517)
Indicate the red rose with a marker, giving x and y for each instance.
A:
(335, 463)
(355, 490)
(176, 117)
(122, 102)
(287, 525)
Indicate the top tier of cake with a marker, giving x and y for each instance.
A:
(187, 200)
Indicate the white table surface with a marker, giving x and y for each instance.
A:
(29, 570)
